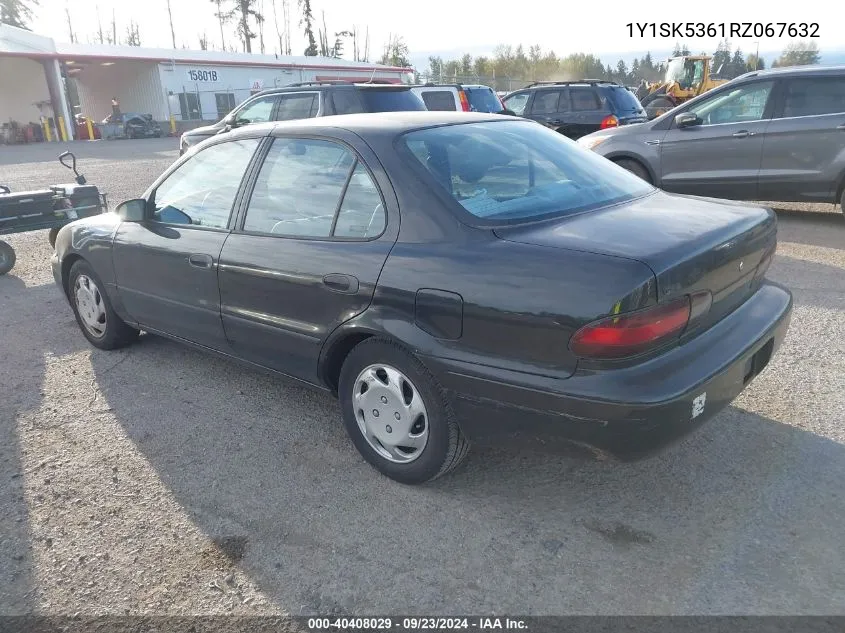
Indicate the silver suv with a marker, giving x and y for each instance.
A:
(768, 135)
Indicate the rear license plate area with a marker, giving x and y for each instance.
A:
(758, 361)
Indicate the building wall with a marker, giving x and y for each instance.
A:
(136, 84)
(205, 82)
(29, 84)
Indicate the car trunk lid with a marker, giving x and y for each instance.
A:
(691, 244)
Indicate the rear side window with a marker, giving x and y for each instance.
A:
(513, 171)
(346, 102)
(298, 106)
(483, 100)
(390, 100)
(546, 102)
(439, 100)
(315, 189)
(622, 100)
(814, 96)
(583, 99)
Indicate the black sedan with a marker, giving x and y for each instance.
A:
(443, 274)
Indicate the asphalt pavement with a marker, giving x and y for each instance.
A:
(160, 480)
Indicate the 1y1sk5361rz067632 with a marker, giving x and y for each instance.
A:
(723, 29)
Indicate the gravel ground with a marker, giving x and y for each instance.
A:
(159, 480)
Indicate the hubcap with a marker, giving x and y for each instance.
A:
(391, 413)
(90, 305)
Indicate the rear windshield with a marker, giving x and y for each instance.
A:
(624, 100)
(513, 171)
(483, 100)
(390, 100)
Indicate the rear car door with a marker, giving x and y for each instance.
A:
(720, 157)
(307, 252)
(297, 105)
(804, 147)
(166, 266)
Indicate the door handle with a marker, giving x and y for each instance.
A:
(556, 122)
(841, 126)
(200, 260)
(341, 283)
(743, 134)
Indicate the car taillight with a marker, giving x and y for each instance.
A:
(630, 334)
(609, 121)
(464, 101)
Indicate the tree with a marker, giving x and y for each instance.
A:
(722, 58)
(737, 64)
(621, 71)
(69, 25)
(680, 51)
(245, 9)
(133, 35)
(754, 63)
(17, 12)
(203, 39)
(222, 17)
(396, 52)
(799, 53)
(308, 21)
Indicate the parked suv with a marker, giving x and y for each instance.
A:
(459, 97)
(768, 135)
(577, 108)
(307, 100)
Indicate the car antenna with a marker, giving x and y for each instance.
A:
(373, 76)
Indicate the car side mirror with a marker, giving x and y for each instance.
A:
(132, 210)
(687, 119)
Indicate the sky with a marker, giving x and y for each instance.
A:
(449, 27)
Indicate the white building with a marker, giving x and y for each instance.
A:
(190, 86)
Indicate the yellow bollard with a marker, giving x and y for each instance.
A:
(47, 136)
(62, 129)
(172, 125)
(90, 129)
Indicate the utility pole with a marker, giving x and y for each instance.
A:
(172, 32)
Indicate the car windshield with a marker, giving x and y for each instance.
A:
(483, 100)
(513, 171)
(391, 100)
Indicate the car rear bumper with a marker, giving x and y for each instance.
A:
(628, 412)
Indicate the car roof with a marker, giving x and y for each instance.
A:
(325, 85)
(378, 123)
(795, 71)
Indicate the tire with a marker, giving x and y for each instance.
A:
(51, 236)
(92, 306)
(375, 362)
(7, 257)
(635, 168)
(842, 201)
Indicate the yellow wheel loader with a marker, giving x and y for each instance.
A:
(686, 77)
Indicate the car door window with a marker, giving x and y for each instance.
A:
(361, 214)
(346, 102)
(546, 102)
(583, 99)
(743, 104)
(258, 111)
(297, 106)
(298, 190)
(441, 100)
(814, 96)
(202, 190)
(516, 103)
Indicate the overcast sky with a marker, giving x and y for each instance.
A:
(449, 26)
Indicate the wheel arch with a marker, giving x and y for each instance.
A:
(67, 263)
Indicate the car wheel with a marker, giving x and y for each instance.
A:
(51, 236)
(397, 414)
(93, 310)
(635, 168)
(7, 257)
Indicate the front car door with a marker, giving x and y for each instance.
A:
(166, 266)
(720, 156)
(517, 102)
(310, 244)
(260, 110)
(804, 149)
